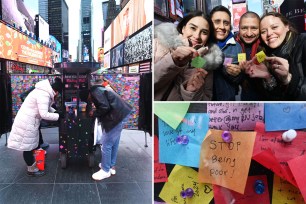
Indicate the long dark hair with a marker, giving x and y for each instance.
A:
(184, 21)
(288, 44)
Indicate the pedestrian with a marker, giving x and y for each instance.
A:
(284, 69)
(111, 110)
(175, 46)
(228, 76)
(24, 135)
(248, 38)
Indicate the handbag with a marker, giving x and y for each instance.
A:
(97, 132)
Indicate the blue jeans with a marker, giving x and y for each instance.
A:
(109, 147)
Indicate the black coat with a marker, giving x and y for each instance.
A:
(294, 51)
(110, 108)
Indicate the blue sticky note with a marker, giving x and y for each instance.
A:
(285, 116)
(195, 126)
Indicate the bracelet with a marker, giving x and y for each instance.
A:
(270, 85)
(288, 79)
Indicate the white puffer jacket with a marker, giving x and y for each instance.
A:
(24, 135)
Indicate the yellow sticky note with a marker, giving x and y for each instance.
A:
(226, 164)
(285, 192)
(171, 113)
(241, 57)
(261, 56)
(182, 178)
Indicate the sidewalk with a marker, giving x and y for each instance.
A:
(131, 184)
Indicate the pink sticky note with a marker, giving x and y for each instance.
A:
(273, 153)
(297, 166)
(224, 196)
(227, 60)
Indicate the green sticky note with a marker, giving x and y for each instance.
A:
(171, 113)
(198, 62)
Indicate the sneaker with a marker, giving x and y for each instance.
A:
(112, 170)
(44, 146)
(98, 176)
(36, 174)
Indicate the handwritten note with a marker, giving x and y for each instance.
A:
(160, 173)
(234, 116)
(171, 113)
(241, 57)
(285, 193)
(180, 179)
(226, 164)
(198, 62)
(297, 167)
(273, 153)
(260, 56)
(284, 116)
(225, 196)
(195, 126)
(227, 61)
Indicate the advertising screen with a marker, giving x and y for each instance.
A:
(58, 47)
(42, 28)
(107, 60)
(101, 55)
(135, 15)
(19, 47)
(21, 13)
(117, 56)
(179, 8)
(139, 47)
(108, 38)
(238, 11)
(161, 7)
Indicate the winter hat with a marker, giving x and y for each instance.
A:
(57, 85)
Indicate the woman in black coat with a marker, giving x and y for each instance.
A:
(284, 70)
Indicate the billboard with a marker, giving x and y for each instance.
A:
(20, 13)
(117, 56)
(42, 28)
(238, 11)
(161, 7)
(107, 60)
(139, 47)
(57, 47)
(19, 47)
(179, 8)
(135, 15)
(101, 55)
(294, 12)
(108, 38)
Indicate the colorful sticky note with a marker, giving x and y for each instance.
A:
(224, 196)
(241, 57)
(285, 193)
(260, 56)
(234, 116)
(297, 167)
(180, 179)
(227, 60)
(273, 153)
(171, 113)
(160, 172)
(285, 116)
(194, 126)
(198, 62)
(226, 164)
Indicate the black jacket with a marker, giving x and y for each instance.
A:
(110, 108)
(295, 52)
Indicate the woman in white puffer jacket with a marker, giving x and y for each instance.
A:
(24, 135)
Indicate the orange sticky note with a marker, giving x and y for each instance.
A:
(241, 57)
(226, 164)
(261, 56)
